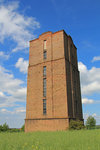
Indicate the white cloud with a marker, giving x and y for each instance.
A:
(20, 110)
(96, 58)
(87, 101)
(3, 55)
(90, 79)
(14, 111)
(12, 87)
(3, 110)
(22, 65)
(1, 94)
(16, 26)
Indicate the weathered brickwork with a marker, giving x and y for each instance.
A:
(46, 124)
(63, 97)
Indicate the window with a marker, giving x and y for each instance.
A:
(44, 87)
(44, 71)
(45, 55)
(45, 44)
(45, 52)
(44, 106)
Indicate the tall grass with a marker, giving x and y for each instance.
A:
(60, 140)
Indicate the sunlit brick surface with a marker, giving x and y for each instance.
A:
(63, 83)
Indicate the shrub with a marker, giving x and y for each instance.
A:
(23, 128)
(97, 127)
(1, 128)
(90, 123)
(14, 130)
(76, 125)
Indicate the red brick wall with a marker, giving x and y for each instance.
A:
(46, 125)
(60, 100)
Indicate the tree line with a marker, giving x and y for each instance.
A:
(5, 127)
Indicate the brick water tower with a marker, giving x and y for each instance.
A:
(53, 84)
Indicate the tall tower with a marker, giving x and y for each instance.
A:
(53, 85)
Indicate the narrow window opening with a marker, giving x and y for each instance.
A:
(44, 71)
(44, 107)
(45, 54)
(44, 87)
(45, 44)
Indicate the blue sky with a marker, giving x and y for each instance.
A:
(22, 21)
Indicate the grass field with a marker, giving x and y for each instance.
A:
(60, 140)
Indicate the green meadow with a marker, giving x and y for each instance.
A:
(60, 140)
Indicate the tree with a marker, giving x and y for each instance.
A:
(5, 127)
(90, 123)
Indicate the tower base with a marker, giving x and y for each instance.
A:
(46, 124)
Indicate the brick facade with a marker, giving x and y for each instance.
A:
(63, 96)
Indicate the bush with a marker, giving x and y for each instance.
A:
(23, 128)
(90, 123)
(76, 125)
(97, 127)
(14, 130)
(1, 128)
